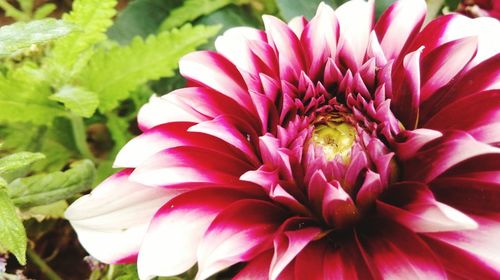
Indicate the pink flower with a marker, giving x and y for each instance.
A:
(325, 149)
(480, 8)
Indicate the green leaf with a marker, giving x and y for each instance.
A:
(452, 4)
(12, 232)
(50, 211)
(70, 54)
(16, 161)
(292, 8)
(22, 35)
(229, 16)
(140, 18)
(79, 100)
(44, 10)
(44, 189)
(23, 98)
(191, 10)
(141, 61)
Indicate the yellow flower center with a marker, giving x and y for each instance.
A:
(335, 137)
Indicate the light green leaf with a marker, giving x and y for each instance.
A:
(70, 54)
(16, 161)
(140, 18)
(141, 61)
(12, 232)
(44, 10)
(79, 100)
(23, 98)
(44, 189)
(50, 211)
(191, 10)
(22, 35)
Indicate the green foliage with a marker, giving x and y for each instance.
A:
(292, 8)
(191, 10)
(24, 97)
(79, 100)
(26, 11)
(18, 160)
(141, 18)
(69, 55)
(113, 73)
(22, 35)
(43, 189)
(12, 233)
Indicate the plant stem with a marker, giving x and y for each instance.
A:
(42, 265)
(80, 136)
(12, 11)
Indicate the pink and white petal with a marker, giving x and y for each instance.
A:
(414, 140)
(399, 24)
(233, 44)
(210, 104)
(443, 153)
(442, 64)
(289, 243)
(112, 220)
(459, 263)
(394, 252)
(169, 135)
(257, 268)
(481, 115)
(238, 234)
(469, 194)
(413, 205)
(184, 165)
(482, 77)
(338, 208)
(286, 44)
(297, 25)
(406, 90)
(230, 130)
(170, 245)
(213, 70)
(320, 38)
(481, 243)
(356, 21)
(160, 110)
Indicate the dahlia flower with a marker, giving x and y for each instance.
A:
(333, 148)
(478, 8)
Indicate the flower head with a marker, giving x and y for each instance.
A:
(322, 149)
(478, 8)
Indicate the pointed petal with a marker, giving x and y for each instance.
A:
(181, 165)
(111, 221)
(480, 114)
(399, 24)
(356, 20)
(241, 232)
(394, 252)
(170, 245)
(443, 153)
(414, 206)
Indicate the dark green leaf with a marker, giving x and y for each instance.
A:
(48, 188)
(292, 8)
(140, 18)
